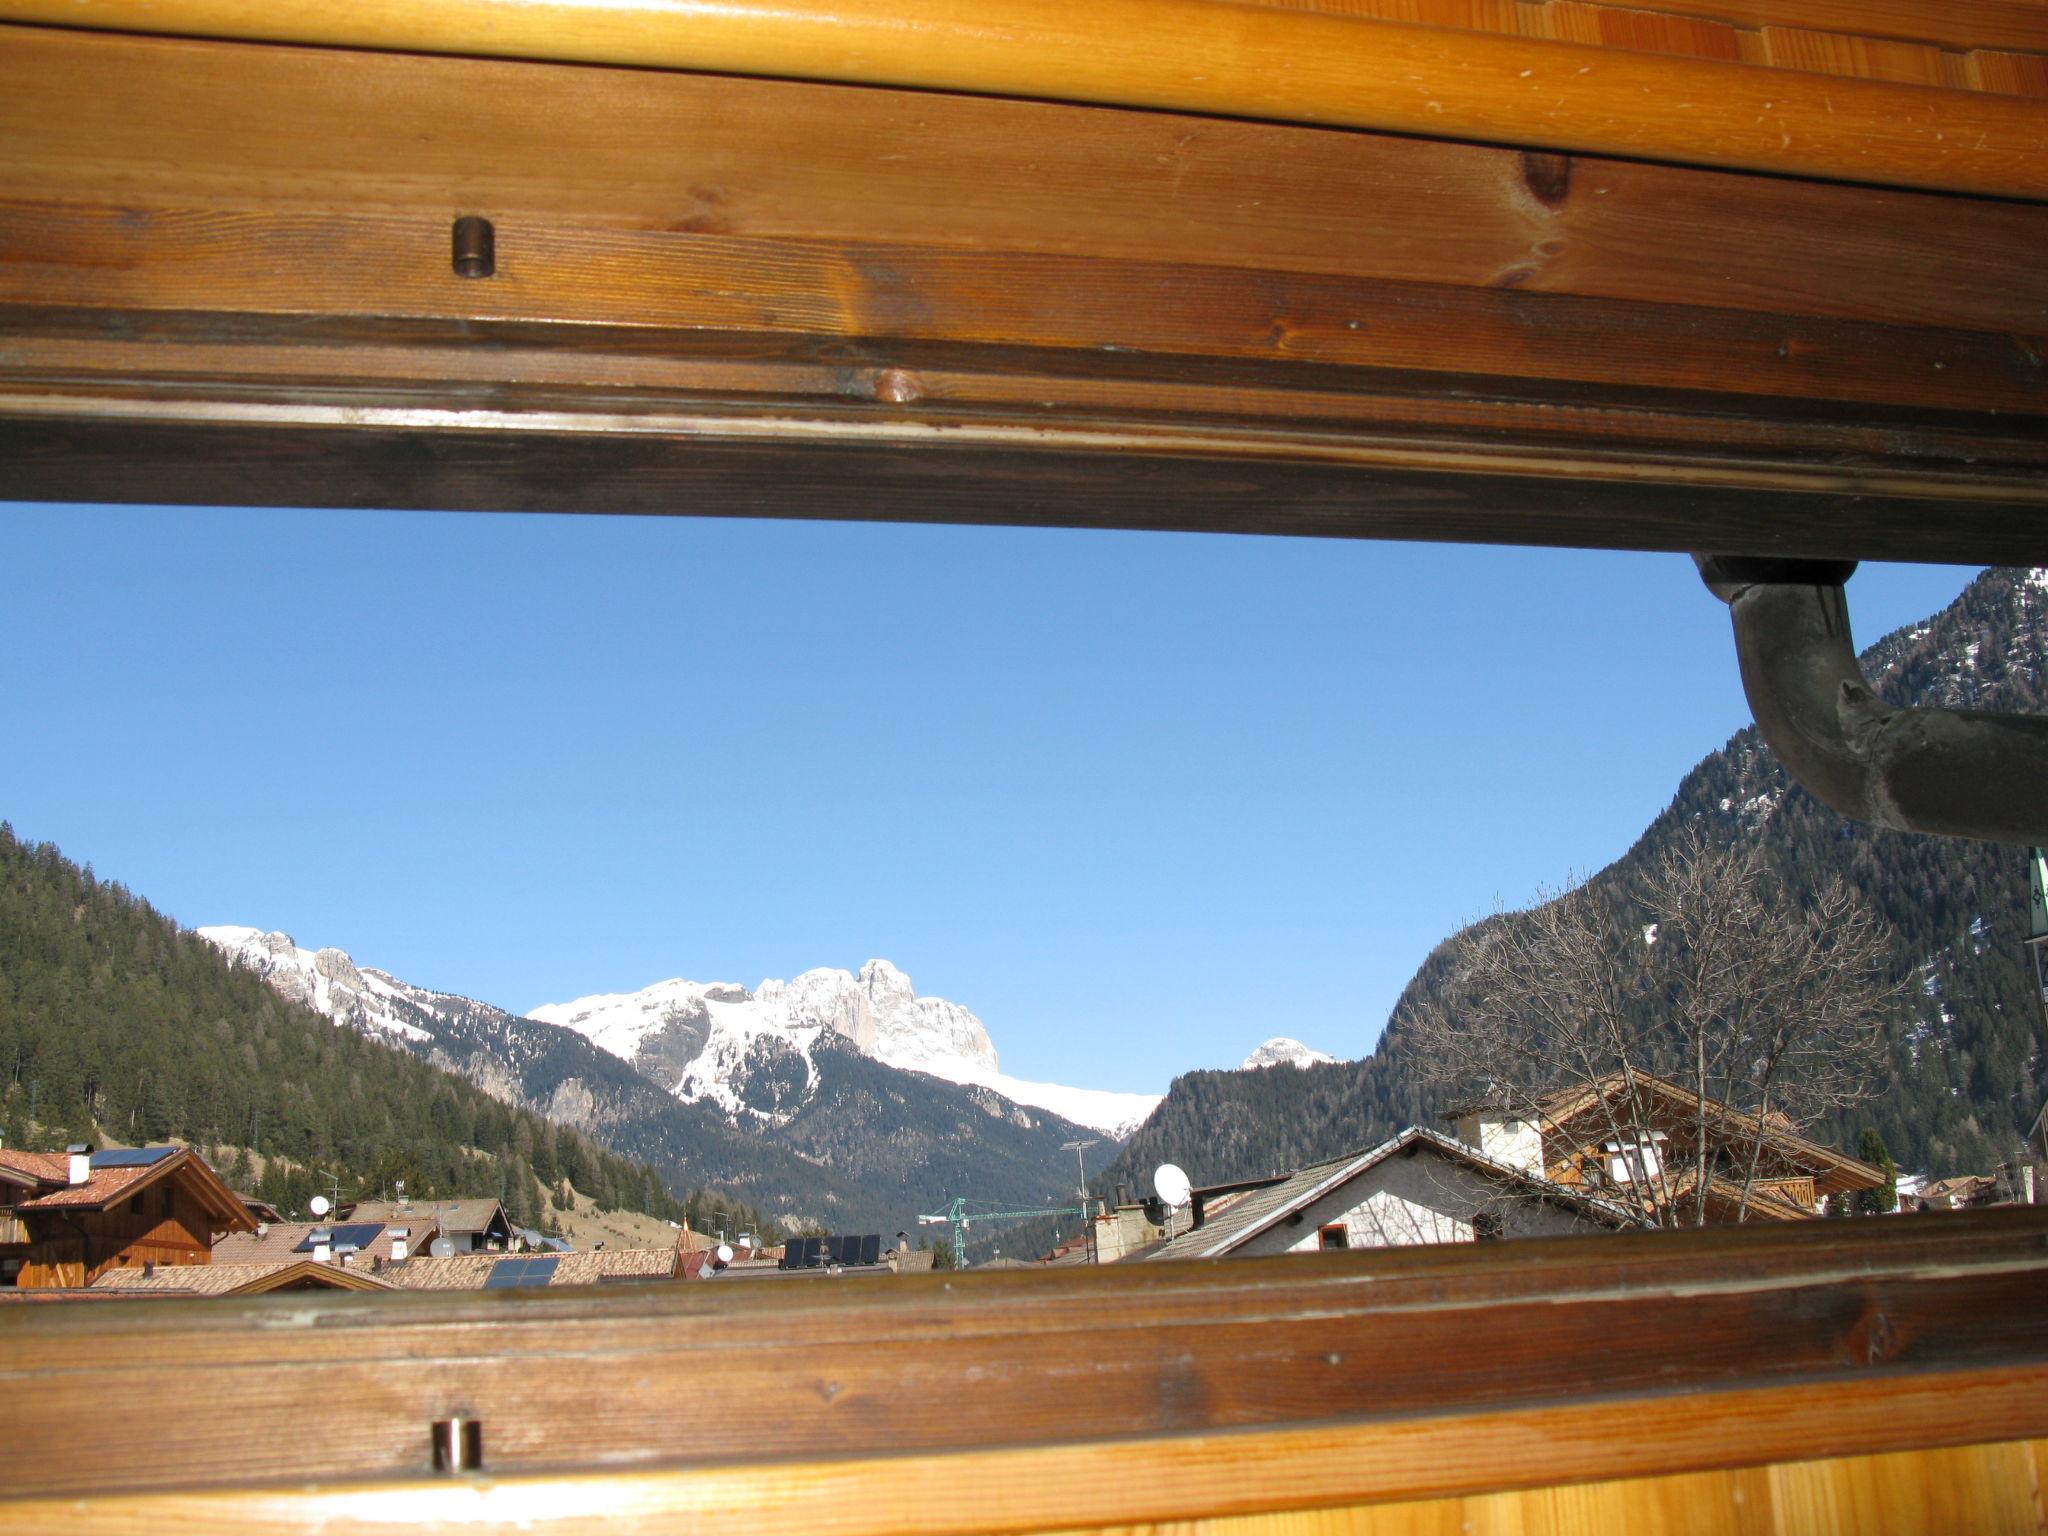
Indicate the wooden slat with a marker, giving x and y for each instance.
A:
(1870, 58)
(159, 124)
(313, 264)
(1199, 56)
(1365, 1467)
(348, 456)
(1953, 24)
(728, 1372)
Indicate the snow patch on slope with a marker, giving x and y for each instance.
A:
(1281, 1051)
(326, 980)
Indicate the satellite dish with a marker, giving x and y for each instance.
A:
(1171, 1185)
(723, 1255)
(319, 1205)
(441, 1248)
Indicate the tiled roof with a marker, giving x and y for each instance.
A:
(49, 1167)
(1244, 1219)
(469, 1271)
(281, 1242)
(105, 1185)
(101, 1187)
(225, 1279)
(449, 1215)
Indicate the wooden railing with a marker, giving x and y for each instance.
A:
(1165, 1391)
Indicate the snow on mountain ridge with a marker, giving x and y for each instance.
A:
(325, 980)
(715, 1041)
(712, 1033)
(1282, 1050)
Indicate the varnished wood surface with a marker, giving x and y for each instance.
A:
(1204, 57)
(312, 264)
(224, 274)
(1814, 1321)
(1924, 42)
(181, 131)
(1624, 1464)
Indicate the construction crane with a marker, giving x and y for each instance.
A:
(959, 1219)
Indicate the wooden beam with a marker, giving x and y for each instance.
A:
(1832, 1338)
(225, 275)
(1206, 57)
(183, 128)
(1636, 1447)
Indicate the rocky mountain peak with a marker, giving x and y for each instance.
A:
(1283, 1051)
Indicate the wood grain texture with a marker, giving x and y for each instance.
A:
(1576, 1470)
(1204, 57)
(1810, 1324)
(1958, 25)
(155, 124)
(390, 265)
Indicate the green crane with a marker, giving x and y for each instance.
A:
(959, 1219)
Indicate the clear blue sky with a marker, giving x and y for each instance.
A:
(1140, 801)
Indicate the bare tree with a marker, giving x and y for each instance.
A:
(1763, 1014)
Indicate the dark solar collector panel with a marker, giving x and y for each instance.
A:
(516, 1274)
(131, 1157)
(356, 1234)
(871, 1248)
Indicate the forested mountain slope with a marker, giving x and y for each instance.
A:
(1963, 1079)
(111, 1016)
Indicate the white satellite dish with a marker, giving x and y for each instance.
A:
(1171, 1185)
(319, 1205)
(723, 1255)
(441, 1248)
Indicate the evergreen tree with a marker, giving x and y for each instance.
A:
(1876, 1202)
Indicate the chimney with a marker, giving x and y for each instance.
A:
(398, 1249)
(148, 1268)
(323, 1245)
(81, 1162)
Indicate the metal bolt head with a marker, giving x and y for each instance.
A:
(475, 247)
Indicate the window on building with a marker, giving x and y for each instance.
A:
(135, 1206)
(1334, 1236)
(165, 1207)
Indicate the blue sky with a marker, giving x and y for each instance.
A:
(1139, 800)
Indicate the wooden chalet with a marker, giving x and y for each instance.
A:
(1593, 1138)
(90, 1212)
(1759, 281)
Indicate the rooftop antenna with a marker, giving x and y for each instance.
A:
(1077, 1148)
(1172, 1187)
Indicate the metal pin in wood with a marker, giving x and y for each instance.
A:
(458, 1445)
(476, 247)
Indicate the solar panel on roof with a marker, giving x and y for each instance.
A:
(512, 1274)
(131, 1157)
(356, 1234)
(871, 1248)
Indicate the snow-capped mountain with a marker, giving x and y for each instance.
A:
(788, 1103)
(1281, 1051)
(702, 1040)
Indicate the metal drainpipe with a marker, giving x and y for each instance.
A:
(1960, 773)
